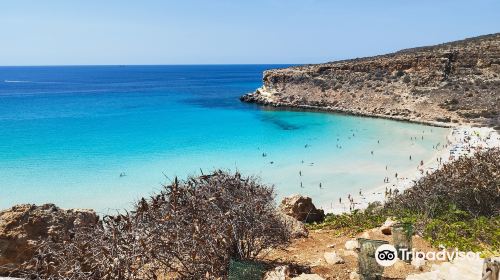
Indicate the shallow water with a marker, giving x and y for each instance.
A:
(67, 133)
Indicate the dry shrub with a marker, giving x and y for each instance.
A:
(190, 230)
(471, 184)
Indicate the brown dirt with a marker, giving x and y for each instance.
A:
(308, 252)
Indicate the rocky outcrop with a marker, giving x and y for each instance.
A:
(456, 82)
(301, 208)
(297, 228)
(23, 226)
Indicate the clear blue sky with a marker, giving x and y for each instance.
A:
(51, 32)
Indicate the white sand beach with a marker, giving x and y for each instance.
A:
(461, 141)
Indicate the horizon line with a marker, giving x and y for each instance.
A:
(174, 64)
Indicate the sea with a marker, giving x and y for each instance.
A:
(102, 137)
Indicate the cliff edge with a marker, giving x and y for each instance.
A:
(455, 82)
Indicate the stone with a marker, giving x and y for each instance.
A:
(23, 226)
(353, 276)
(418, 263)
(304, 276)
(278, 273)
(349, 253)
(351, 245)
(460, 269)
(386, 228)
(297, 229)
(333, 258)
(301, 208)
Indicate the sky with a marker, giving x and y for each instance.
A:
(118, 32)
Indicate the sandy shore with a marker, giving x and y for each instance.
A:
(461, 141)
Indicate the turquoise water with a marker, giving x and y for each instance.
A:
(67, 133)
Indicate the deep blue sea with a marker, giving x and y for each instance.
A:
(67, 133)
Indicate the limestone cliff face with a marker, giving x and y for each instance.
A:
(456, 82)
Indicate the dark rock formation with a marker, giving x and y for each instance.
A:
(455, 82)
(301, 208)
(23, 226)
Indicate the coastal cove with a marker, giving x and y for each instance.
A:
(102, 137)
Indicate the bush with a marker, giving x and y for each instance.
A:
(471, 184)
(191, 230)
(457, 206)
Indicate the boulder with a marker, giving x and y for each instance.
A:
(23, 226)
(297, 229)
(278, 273)
(333, 258)
(386, 228)
(351, 245)
(301, 208)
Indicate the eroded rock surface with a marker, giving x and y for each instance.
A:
(301, 208)
(23, 226)
(457, 82)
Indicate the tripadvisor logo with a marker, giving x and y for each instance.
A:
(387, 255)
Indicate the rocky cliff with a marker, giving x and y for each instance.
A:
(455, 82)
(23, 226)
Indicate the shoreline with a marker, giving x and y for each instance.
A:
(263, 98)
(461, 141)
(457, 141)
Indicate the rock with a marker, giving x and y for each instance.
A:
(297, 228)
(353, 276)
(330, 246)
(278, 273)
(399, 265)
(302, 209)
(365, 235)
(351, 245)
(23, 226)
(349, 253)
(418, 263)
(386, 228)
(406, 85)
(460, 269)
(304, 276)
(333, 258)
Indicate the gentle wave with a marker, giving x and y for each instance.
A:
(15, 81)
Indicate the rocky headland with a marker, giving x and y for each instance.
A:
(446, 84)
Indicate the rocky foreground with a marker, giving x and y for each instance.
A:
(455, 82)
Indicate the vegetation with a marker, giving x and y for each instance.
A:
(191, 230)
(457, 206)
